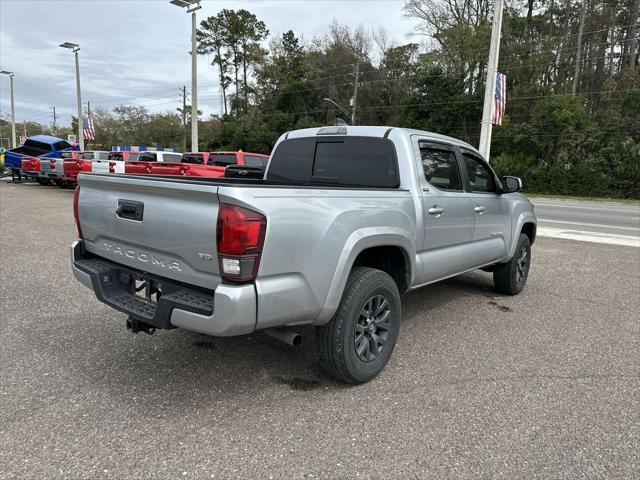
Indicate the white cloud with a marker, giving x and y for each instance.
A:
(137, 51)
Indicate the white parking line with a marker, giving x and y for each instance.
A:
(566, 222)
(594, 237)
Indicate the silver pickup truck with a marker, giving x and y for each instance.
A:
(345, 220)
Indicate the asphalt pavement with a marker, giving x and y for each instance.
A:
(592, 220)
(543, 385)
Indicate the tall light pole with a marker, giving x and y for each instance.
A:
(13, 108)
(192, 6)
(490, 88)
(337, 105)
(75, 48)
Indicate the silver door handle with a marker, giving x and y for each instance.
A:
(480, 210)
(436, 210)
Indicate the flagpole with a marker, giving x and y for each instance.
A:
(490, 87)
(89, 117)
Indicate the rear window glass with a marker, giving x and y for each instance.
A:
(39, 145)
(196, 158)
(115, 156)
(87, 155)
(66, 155)
(222, 159)
(172, 157)
(348, 161)
(254, 161)
(147, 157)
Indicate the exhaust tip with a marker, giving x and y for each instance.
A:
(287, 336)
(297, 340)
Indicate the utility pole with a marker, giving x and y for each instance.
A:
(184, 118)
(354, 100)
(490, 87)
(13, 108)
(55, 118)
(576, 73)
(194, 86)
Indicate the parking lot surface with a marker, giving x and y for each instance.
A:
(542, 385)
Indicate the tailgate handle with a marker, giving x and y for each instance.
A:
(130, 210)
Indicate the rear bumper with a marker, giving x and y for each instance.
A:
(229, 310)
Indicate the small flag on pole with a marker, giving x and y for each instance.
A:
(87, 128)
(500, 99)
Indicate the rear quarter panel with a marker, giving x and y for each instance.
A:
(313, 236)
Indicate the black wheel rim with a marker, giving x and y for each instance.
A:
(372, 328)
(522, 264)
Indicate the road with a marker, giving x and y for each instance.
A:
(600, 221)
(542, 385)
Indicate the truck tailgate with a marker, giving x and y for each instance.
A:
(166, 228)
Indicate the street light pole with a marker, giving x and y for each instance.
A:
(337, 105)
(13, 108)
(192, 6)
(78, 95)
(76, 48)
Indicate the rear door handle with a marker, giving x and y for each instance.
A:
(436, 210)
(480, 210)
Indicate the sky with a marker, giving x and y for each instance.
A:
(137, 51)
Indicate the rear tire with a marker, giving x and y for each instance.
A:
(510, 278)
(356, 344)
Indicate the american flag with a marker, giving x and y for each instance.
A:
(501, 98)
(87, 128)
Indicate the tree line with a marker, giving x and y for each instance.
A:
(572, 123)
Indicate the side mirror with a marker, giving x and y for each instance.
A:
(511, 184)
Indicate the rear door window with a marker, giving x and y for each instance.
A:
(440, 168)
(62, 145)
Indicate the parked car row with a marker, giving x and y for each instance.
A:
(64, 171)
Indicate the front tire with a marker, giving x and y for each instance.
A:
(356, 344)
(510, 278)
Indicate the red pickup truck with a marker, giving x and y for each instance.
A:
(213, 164)
(31, 168)
(73, 163)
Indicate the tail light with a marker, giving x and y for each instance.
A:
(76, 195)
(112, 167)
(79, 164)
(240, 239)
(52, 164)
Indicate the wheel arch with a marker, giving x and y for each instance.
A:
(390, 250)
